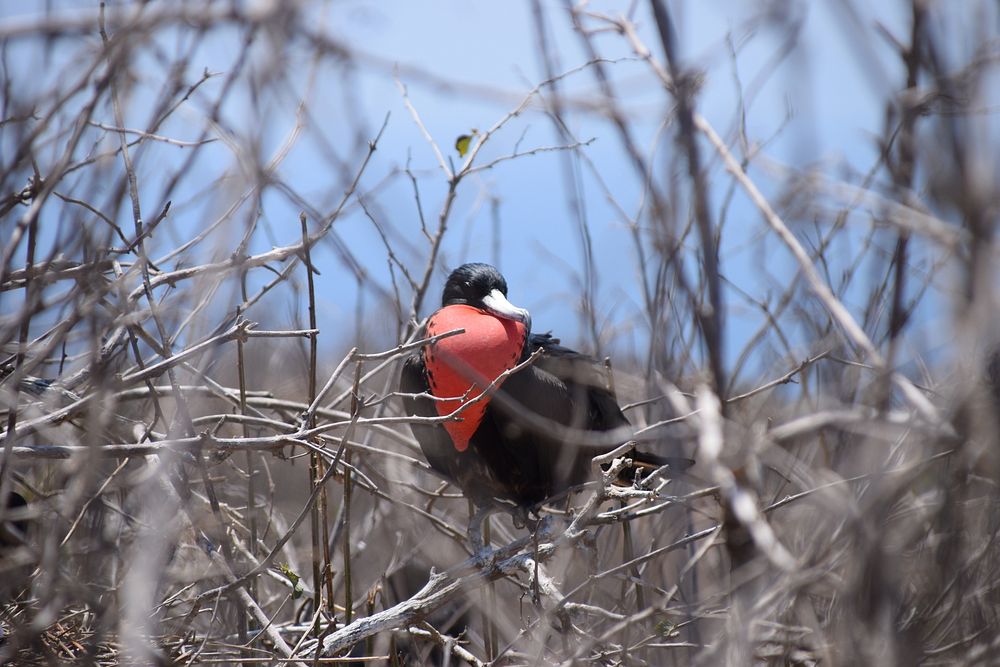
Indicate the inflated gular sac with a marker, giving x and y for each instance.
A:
(462, 366)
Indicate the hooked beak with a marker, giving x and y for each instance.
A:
(495, 302)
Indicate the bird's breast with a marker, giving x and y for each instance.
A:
(461, 367)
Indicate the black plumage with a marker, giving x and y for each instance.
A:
(540, 428)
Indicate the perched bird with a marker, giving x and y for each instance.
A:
(531, 436)
(464, 141)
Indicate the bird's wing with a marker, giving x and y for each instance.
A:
(587, 382)
(546, 415)
(584, 376)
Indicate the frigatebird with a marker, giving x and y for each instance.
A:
(532, 432)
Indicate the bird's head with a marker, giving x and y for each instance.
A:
(482, 286)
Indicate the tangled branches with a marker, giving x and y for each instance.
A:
(224, 223)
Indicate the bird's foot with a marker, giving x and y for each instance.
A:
(480, 551)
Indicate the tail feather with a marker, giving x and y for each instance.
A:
(676, 463)
(647, 463)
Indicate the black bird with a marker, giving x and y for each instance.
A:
(534, 435)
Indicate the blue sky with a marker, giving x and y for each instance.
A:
(828, 87)
(826, 97)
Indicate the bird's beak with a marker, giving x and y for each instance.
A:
(495, 302)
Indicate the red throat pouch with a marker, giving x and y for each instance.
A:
(460, 367)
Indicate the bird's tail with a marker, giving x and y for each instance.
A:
(645, 463)
(676, 463)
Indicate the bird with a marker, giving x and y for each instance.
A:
(464, 141)
(543, 410)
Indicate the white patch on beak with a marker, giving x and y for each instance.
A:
(495, 302)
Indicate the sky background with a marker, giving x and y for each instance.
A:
(821, 104)
(814, 75)
(493, 45)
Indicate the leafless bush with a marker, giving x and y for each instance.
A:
(200, 354)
